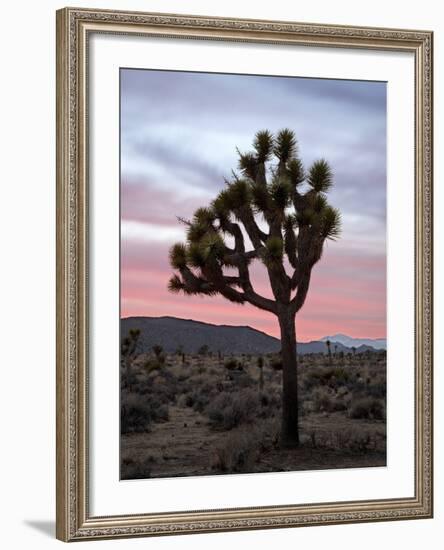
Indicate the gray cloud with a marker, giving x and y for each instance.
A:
(180, 130)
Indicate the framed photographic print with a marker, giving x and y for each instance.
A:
(244, 274)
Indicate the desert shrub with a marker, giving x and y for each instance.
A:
(377, 390)
(332, 377)
(135, 414)
(201, 391)
(239, 379)
(182, 377)
(341, 375)
(159, 389)
(231, 364)
(152, 365)
(312, 379)
(184, 400)
(358, 386)
(168, 381)
(138, 411)
(200, 400)
(323, 401)
(223, 412)
(159, 384)
(276, 363)
(128, 379)
(237, 454)
(367, 408)
(267, 433)
(228, 410)
(244, 445)
(270, 403)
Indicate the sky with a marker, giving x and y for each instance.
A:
(179, 133)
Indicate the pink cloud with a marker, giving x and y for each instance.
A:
(349, 299)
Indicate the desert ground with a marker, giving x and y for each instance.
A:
(206, 414)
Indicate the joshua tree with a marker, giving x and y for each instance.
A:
(203, 350)
(129, 348)
(283, 212)
(179, 350)
(158, 352)
(260, 364)
(328, 344)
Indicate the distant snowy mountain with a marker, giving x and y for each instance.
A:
(348, 341)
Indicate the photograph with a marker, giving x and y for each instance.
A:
(252, 273)
(244, 273)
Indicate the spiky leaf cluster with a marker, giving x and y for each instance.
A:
(320, 176)
(273, 189)
(273, 252)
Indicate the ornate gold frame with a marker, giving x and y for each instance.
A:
(73, 519)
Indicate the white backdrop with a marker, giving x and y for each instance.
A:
(27, 289)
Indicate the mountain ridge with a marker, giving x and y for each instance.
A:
(190, 335)
(350, 341)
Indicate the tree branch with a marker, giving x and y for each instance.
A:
(256, 235)
(234, 258)
(194, 284)
(235, 231)
(290, 243)
(222, 284)
(298, 301)
(241, 258)
(259, 301)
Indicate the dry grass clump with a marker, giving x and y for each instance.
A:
(243, 447)
(326, 401)
(353, 439)
(368, 408)
(237, 454)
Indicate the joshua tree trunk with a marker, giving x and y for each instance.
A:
(290, 415)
